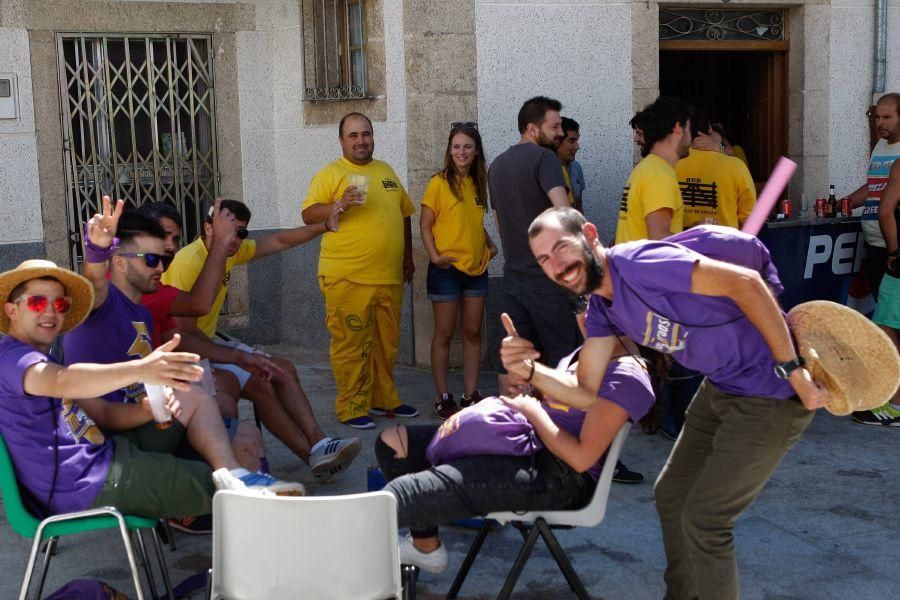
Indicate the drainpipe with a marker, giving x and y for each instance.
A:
(880, 65)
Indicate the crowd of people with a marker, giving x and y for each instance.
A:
(682, 310)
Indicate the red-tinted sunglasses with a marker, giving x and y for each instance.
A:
(38, 303)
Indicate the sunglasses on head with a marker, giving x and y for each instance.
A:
(38, 303)
(470, 124)
(151, 259)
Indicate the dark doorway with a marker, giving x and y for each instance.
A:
(746, 90)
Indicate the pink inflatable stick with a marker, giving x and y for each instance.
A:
(779, 179)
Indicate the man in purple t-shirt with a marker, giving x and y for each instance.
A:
(705, 296)
(53, 423)
(119, 328)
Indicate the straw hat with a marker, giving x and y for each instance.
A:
(77, 287)
(847, 354)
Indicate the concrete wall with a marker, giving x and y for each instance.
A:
(21, 231)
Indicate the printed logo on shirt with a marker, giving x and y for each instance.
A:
(81, 426)
(142, 345)
(663, 334)
(695, 193)
(557, 406)
(389, 185)
(448, 427)
(623, 205)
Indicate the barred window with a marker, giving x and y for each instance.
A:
(334, 50)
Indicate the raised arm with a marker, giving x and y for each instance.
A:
(746, 288)
(288, 238)
(100, 233)
(199, 300)
(87, 380)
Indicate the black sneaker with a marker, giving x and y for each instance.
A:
(201, 525)
(623, 475)
(885, 415)
(470, 399)
(445, 407)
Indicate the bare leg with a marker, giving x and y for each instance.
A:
(472, 318)
(275, 417)
(205, 428)
(445, 314)
(893, 334)
(292, 397)
(248, 446)
(228, 392)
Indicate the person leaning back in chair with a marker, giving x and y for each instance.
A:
(440, 475)
(706, 297)
(51, 416)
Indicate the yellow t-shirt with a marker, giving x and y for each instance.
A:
(568, 185)
(651, 186)
(186, 267)
(458, 224)
(715, 186)
(368, 247)
(739, 153)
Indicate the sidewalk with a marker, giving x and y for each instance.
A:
(824, 528)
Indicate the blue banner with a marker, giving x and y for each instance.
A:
(816, 259)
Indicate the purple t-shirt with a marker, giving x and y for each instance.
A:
(625, 383)
(653, 305)
(27, 425)
(117, 331)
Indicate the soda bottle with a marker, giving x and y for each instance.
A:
(833, 207)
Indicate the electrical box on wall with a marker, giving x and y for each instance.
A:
(9, 97)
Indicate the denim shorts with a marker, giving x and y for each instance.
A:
(451, 284)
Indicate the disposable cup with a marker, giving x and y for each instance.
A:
(361, 183)
(157, 396)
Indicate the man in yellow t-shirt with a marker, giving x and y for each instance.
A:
(651, 205)
(278, 397)
(715, 187)
(362, 269)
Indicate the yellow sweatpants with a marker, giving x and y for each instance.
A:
(364, 323)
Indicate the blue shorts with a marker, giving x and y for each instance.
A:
(450, 284)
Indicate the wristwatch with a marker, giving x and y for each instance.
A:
(784, 370)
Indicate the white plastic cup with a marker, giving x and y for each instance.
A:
(157, 396)
(361, 183)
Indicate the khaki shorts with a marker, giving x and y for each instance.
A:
(147, 480)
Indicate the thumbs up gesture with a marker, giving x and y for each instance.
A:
(516, 353)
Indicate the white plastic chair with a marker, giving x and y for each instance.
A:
(540, 524)
(272, 547)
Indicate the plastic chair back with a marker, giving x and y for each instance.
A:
(20, 519)
(593, 513)
(270, 547)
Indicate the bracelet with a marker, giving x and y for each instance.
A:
(531, 375)
(96, 254)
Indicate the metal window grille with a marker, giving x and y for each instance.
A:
(334, 50)
(721, 24)
(138, 122)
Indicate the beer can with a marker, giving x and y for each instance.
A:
(846, 209)
(820, 207)
(786, 208)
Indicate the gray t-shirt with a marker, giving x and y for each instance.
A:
(518, 182)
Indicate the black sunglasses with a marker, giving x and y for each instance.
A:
(151, 259)
(470, 124)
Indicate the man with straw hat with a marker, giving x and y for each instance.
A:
(53, 421)
(705, 296)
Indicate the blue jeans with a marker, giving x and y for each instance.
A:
(428, 496)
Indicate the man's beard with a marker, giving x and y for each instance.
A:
(593, 271)
(550, 143)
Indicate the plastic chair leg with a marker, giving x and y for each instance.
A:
(561, 559)
(410, 577)
(148, 571)
(49, 552)
(521, 559)
(29, 568)
(129, 552)
(467, 562)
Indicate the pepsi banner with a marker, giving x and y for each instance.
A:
(816, 259)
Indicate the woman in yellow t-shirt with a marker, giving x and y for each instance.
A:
(452, 226)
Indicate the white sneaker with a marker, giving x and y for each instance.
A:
(433, 562)
(333, 457)
(261, 483)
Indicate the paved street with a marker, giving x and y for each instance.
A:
(826, 526)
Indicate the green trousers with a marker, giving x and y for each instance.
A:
(728, 449)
